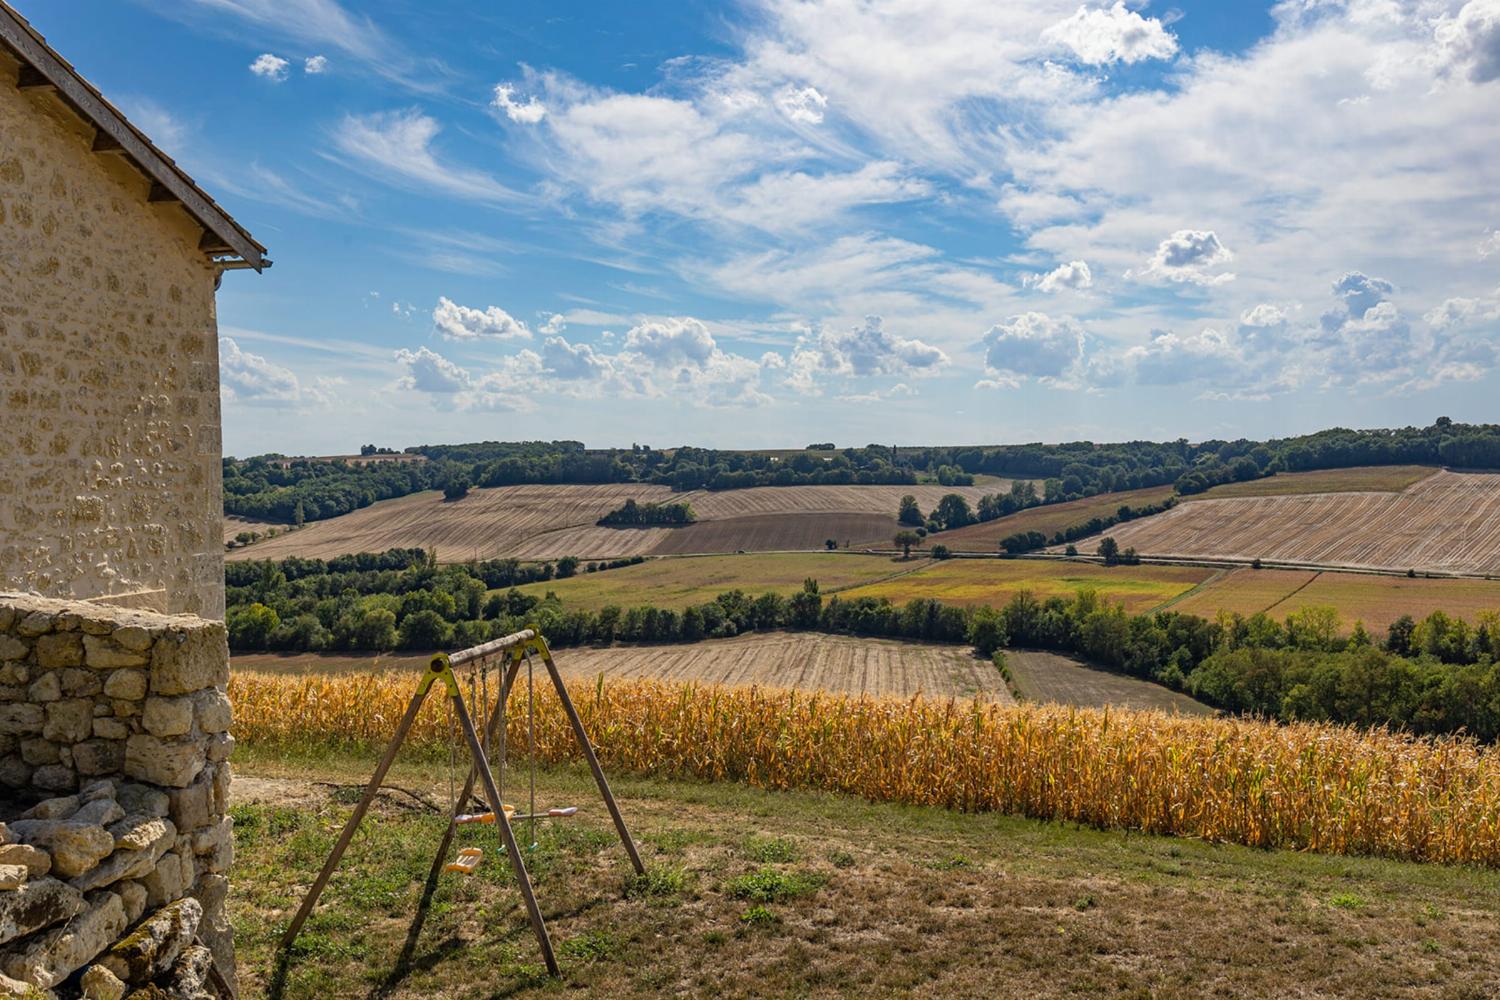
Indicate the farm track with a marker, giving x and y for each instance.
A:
(1447, 522)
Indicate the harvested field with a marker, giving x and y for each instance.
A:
(1361, 479)
(802, 660)
(1049, 518)
(233, 525)
(486, 524)
(1043, 677)
(548, 522)
(677, 583)
(1375, 600)
(1448, 522)
(996, 581)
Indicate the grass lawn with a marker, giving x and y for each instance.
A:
(995, 581)
(768, 894)
(1380, 478)
(1049, 518)
(680, 582)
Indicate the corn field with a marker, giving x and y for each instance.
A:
(1306, 787)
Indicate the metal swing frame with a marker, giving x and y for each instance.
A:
(515, 648)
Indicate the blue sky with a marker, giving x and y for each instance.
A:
(781, 221)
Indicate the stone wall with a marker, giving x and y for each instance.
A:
(114, 760)
(108, 375)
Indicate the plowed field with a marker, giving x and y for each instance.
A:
(1447, 522)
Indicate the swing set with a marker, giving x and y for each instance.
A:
(513, 651)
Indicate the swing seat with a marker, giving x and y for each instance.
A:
(467, 860)
(484, 817)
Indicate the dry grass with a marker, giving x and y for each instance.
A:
(1375, 600)
(895, 901)
(1050, 518)
(1446, 522)
(1365, 478)
(1308, 787)
(1064, 680)
(678, 583)
(995, 581)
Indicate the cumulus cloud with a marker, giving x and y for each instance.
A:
(269, 67)
(802, 104)
(1112, 34)
(1188, 255)
(1468, 43)
(1459, 312)
(428, 371)
(458, 322)
(1263, 315)
(1031, 345)
(862, 351)
(251, 378)
(1169, 359)
(528, 112)
(574, 361)
(315, 65)
(1490, 244)
(1074, 275)
(673, 341)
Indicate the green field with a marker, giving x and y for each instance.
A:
(1375, 478)
(684, 581)
(995, 581)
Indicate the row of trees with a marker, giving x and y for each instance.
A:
(1437, 675)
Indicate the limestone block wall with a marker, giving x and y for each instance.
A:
(109, 377)
(115, 843)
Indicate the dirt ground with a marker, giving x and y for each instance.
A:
(757, 894)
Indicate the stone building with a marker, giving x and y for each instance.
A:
(115, 838)
(109, 258)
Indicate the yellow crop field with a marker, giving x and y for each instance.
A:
(1375, 600)
(995, 581)
(679, 582)
(1307, 787)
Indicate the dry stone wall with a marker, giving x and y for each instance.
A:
(116, 842)
(108, 375)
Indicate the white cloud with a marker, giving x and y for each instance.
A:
(574, 361)
(804, 105)
(862, 351)
(1031, 345)
(398, 144)
(674, 341)
(315, 65)
(1490, 244)
(458, 322)
(555, 323)
(1461, 312)
(1469, 42)
(1112, 34)
(428, 371)
(1263, 314)
(1187, 256)
(528, 113)
(271, 67)
(252, 379)
(1169, 359)
(1074, 275)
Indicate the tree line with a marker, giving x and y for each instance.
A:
(1436, 675)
